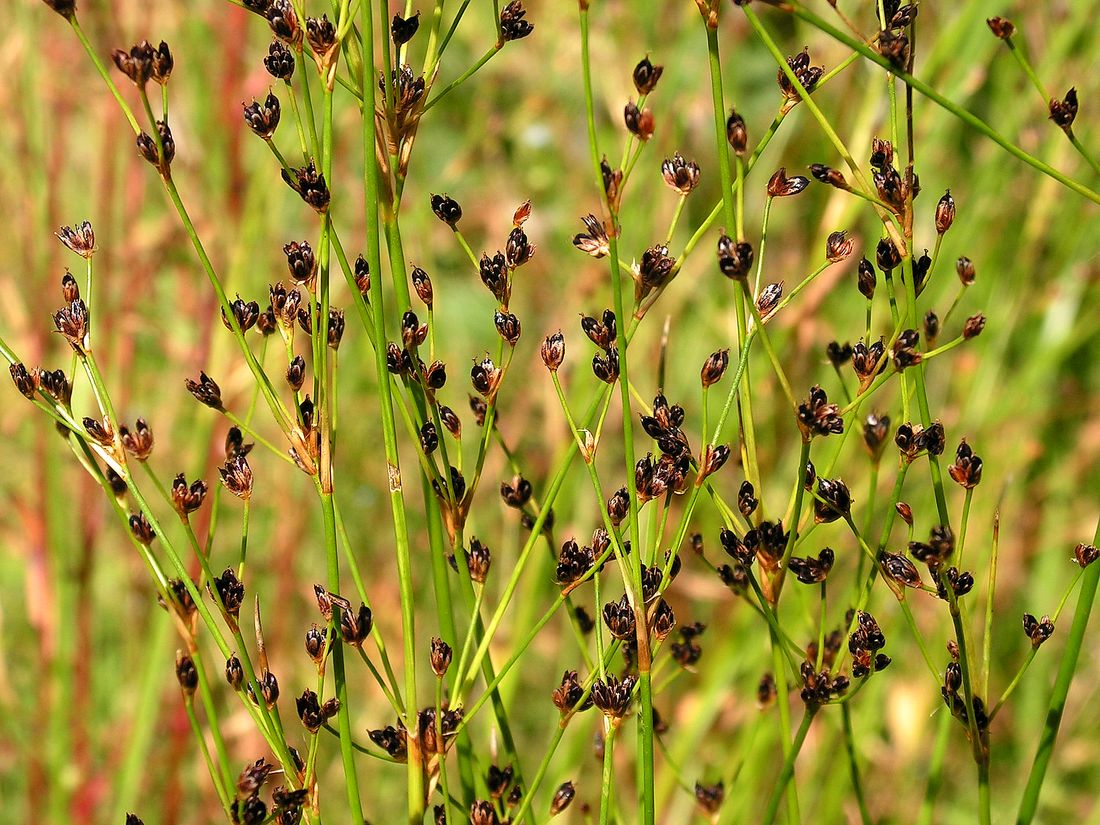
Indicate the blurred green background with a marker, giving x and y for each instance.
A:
(83, 642)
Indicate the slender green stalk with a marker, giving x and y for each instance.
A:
(645, 715)
(415, 776)
(462, 78)
(1025, 64)
(853, 764)
(935, 768)
(718, 106)
(608, 783)
(1029, 804)
(787, 773)
(970, 119)
(987, 636)
(211, 767)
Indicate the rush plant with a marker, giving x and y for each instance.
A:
(731, 505)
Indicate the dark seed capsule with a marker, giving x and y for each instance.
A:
(867, 280)
(964, 267)
(553, 351)
(163, 63)
(838, 354)
(646, 76)
(186, 674)
(1085, 554)
(714, 367)
(680, 175)
(1063, 112)
(780, 186)
(513, 26)
(310, 185)
(402, 29)
(440, 657)
(279, 61)
(828, 175)
(24, 381)
(974, 326)
(80, 239)
(639, 122)
(736, 133)
(234, 672)
(887, 255)
(508, 327)
(945, 212)
(423, 286)
(67, 9)
(1002, 28)
(563, 796)
(263, 118)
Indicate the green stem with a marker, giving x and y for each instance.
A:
(215, 775)
(1029, 804)
(415, 785)
(608, 772)
(645, 714)
(787, 773)
(466, 75)
(853, 764)
(748, 430)
(962, 114)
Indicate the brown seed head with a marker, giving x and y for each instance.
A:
(866, 279)
(829, 175)
(709, 798)
(734, 259)
(72, 322)
(186, 674)
(680, 175)
(284, 23)
(563, 796)
(447, 209)
(163, 63)
(236, 475)
(1085, 554)
(974, 326)
(513, 26)
(141, 530)
(147, 147)
(67, 9)
(553, 351)
(714, 367)
(279, 61)
(838, 246)
(965, 269)
(402, 29)
(639, 122)
(310, 185)
(440, 657)
(136, 64)
(262, 118)
(737, 135)
(79, 238)
(187, 498)
(780, 186)
(24, 381)
(1002, 28)
(139, 441)
(205, 391)
(945, 212)
(646, 76)
(1063, 112)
